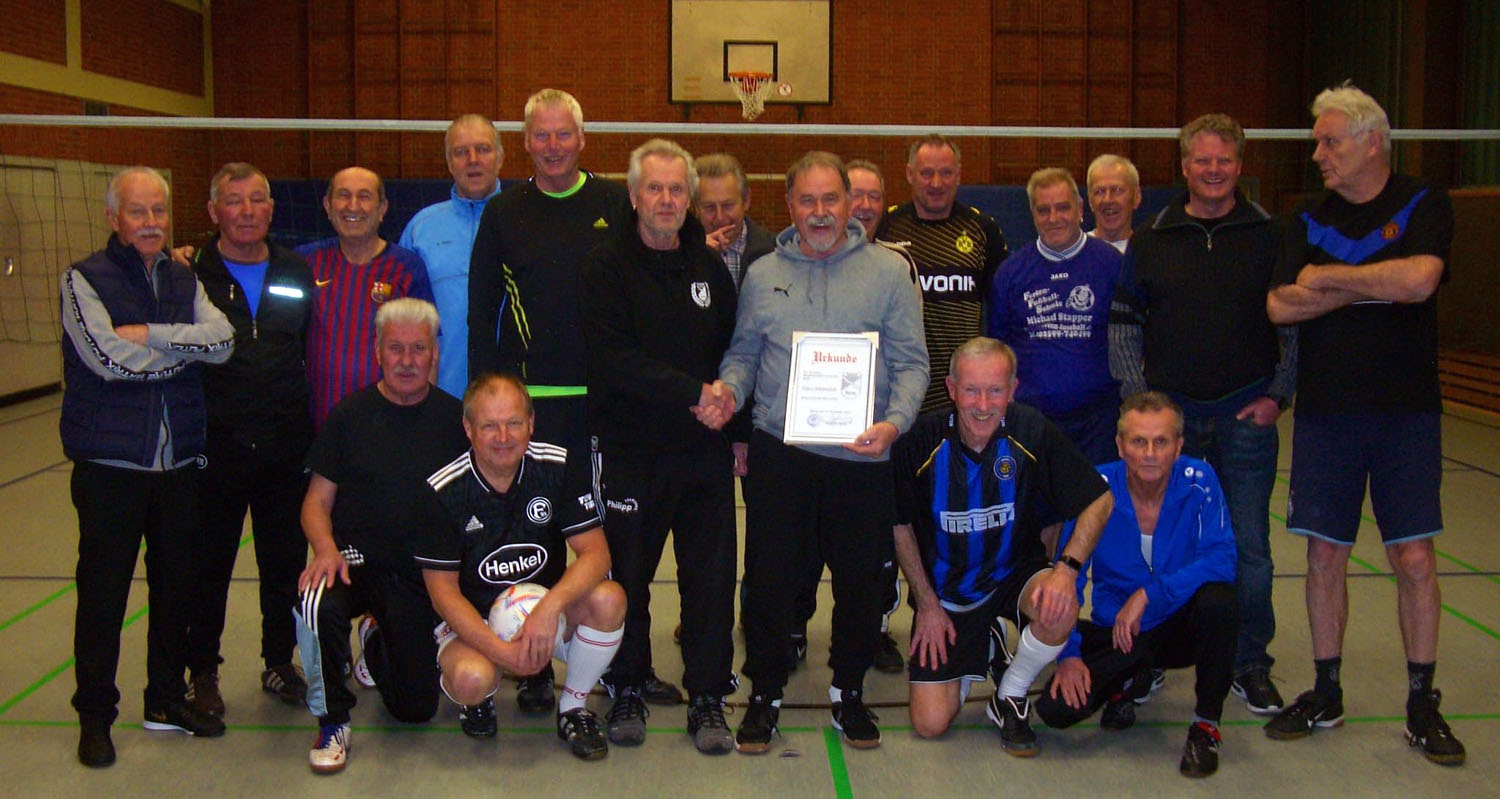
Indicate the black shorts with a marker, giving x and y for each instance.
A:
(1399, 455)
(969, 657)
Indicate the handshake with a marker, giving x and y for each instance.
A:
(715, 405)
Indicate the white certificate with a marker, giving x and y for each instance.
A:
(830, 394)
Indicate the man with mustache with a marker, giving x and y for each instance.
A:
(136, 326)
(354, 273)
(1189, 320)
(1050, 303)
(1114, 188)
(818, 498)
(957, 249)
(362, 517)
(443, 235)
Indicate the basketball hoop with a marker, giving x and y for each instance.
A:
(752, 88)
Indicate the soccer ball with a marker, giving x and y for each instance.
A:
(513, 606)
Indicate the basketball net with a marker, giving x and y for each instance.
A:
(752, 88)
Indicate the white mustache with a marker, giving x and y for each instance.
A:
(152, 231)
(825, 220)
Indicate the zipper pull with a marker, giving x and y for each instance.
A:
(231, 292)
(255, 330)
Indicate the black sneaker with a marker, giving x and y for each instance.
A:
(660, 692)
(1426, 730)
(478, 721)
(95, 749)
(626, 720)
(1259, 693)
(705, 722)
(534, 695)
(580, 729)
(755, 732)
(1119, 713)
(1309, 711)
(1158, 681)
(855, 721)
(179, 716)
(1010, 714)
(1200, 755)
(203, 693)
(286, 682)
(888, 655)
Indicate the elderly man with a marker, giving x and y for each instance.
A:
(1163, 575)
(969, 482)
(355, 272)
(1050, 302)
(957, 249)
(523, 295)
(723, 200)
(477, 543)
(362, 517)
(1114, 188)
(136, 327)
(811, 498)
(1366, 259)
(443, 236)
(1189, 320)
(259, 429)
(658, 310)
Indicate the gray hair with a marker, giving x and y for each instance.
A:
(868, 166)
(1109, 160)
(473, 119)
(112, 192)
(406, 310)
(717, 165)
(553, 98)
(662, 148)
(1149, 402)
(488, 383)
(1049, 176)
(1365, 115)
(980, 347)
(934, 140)
(234, 170)
(814, 158)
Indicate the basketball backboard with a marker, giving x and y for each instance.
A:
(791, 39)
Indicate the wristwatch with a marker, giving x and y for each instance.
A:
(1069, 560)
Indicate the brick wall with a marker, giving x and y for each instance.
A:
(35, 29)
(155, 42)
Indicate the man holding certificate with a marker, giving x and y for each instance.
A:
(829, 338)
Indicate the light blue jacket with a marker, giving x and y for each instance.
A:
(443, 234)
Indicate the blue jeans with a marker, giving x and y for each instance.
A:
(1244, 455)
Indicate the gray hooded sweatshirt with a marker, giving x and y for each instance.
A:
(859, 288)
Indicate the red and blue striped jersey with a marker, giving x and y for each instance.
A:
(341, 355)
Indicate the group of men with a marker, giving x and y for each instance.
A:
(620, 359)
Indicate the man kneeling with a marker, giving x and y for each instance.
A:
(971, 485)
(1163, 577)
(499, 515)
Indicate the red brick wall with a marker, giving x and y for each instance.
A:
(155, 42)
(36, 29)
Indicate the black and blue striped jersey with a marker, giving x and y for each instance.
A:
(975, 514)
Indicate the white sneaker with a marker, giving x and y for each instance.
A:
(361, 668)
(331, 752)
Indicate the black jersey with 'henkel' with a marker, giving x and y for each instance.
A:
(956, 257)
(496, 539)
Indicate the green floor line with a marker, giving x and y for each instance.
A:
(836, 767)
(49, 676)
(1445, 556)
(38, 606)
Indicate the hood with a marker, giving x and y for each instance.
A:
(690, 238)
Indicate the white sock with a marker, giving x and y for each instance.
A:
(964, 684)
(589, 654)
(834, 695)
(1031, 657)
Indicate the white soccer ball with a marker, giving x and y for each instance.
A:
(513, 606)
